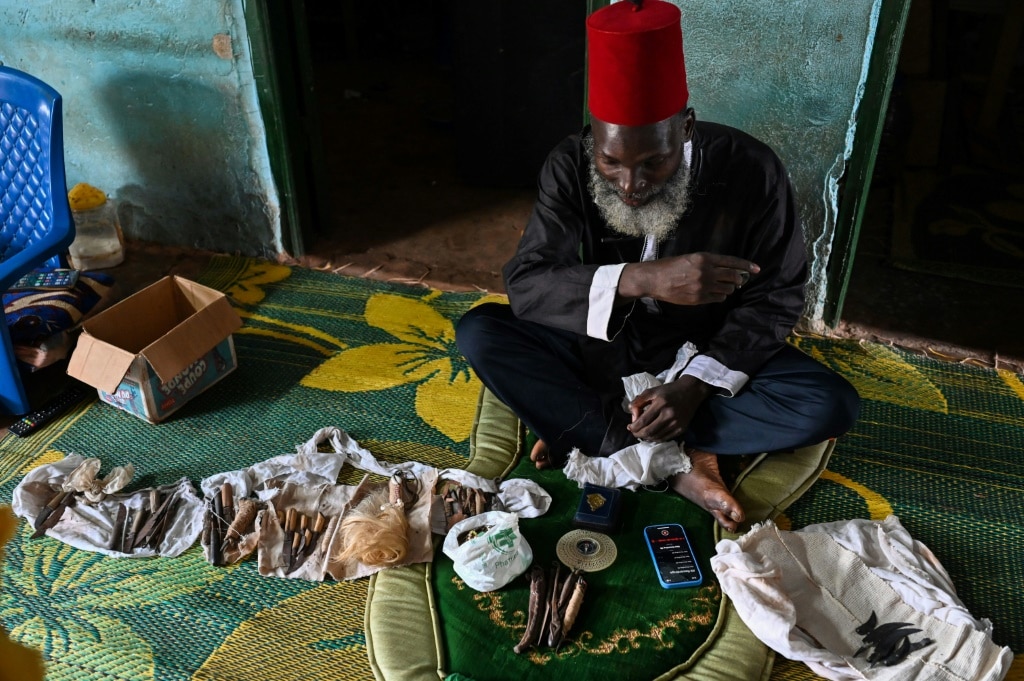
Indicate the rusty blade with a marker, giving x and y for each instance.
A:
(216, 551)
(160, 530)
(293, 554)
(133, 531)
(289, 535)
(310, 540)
(45, 512)
(155, 517)
(119, 525)
(67, 499)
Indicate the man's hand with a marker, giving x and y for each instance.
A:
(664, 412)
(691, 279)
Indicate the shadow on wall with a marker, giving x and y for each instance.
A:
(189, 147)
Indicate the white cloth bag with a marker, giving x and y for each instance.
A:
(805, 593)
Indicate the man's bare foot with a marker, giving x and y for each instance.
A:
(704, 486)
(540, 455)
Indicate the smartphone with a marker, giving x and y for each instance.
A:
(47, 279)
(674, 560)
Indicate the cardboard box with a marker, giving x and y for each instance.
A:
(155, 350)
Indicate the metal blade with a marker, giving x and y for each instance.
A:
(119, 525)
(289, 539)
(44, 513)
(68, 499)
(155, 517)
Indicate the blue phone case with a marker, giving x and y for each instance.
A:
(675, 563)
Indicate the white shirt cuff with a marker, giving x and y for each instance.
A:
(603, 290)
(714, 373)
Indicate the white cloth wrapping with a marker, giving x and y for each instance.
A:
(643, 463)
(523, 497)
(334, 501)
(85, 479)
(311, 468)
(804, 594)
(90, 526)
(307, 480)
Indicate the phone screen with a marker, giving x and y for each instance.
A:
(47, 279)
(673, 556)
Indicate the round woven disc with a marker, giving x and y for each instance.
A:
(586, 550)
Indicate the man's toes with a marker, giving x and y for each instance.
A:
(727, 507)
(539, 455)
(725, 521)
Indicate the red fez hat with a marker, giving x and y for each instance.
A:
(636, 70)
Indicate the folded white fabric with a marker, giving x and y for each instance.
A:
(805, 593)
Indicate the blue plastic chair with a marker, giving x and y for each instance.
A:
(37, 226)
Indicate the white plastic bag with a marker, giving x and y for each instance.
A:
(493, 551)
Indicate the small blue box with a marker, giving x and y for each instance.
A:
(599, 508)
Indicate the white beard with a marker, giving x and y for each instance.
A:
(656, 218)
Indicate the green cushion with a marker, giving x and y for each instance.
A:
(403, 631)
(403, 634)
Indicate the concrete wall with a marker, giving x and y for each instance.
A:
(160, 112)
(792, 73)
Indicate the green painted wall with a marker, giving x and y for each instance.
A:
(792, 73)
(160, 111)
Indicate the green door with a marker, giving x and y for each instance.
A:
(284, 79)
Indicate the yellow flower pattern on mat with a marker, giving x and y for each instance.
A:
(248, 288)
(1012, 381)
(424, 354)
(881, 375)
(98, 598)
(491, 298)
(315, 635)
(878, 507)
(621, 640)
(19, 663)
(13, 467)
(294, 333)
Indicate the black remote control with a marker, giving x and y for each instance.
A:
(71, 396)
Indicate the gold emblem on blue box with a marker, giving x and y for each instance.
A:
(598, 508)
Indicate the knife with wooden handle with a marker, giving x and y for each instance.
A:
(289, 537)
(157, 514)
(310, 539)
(51, 513)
